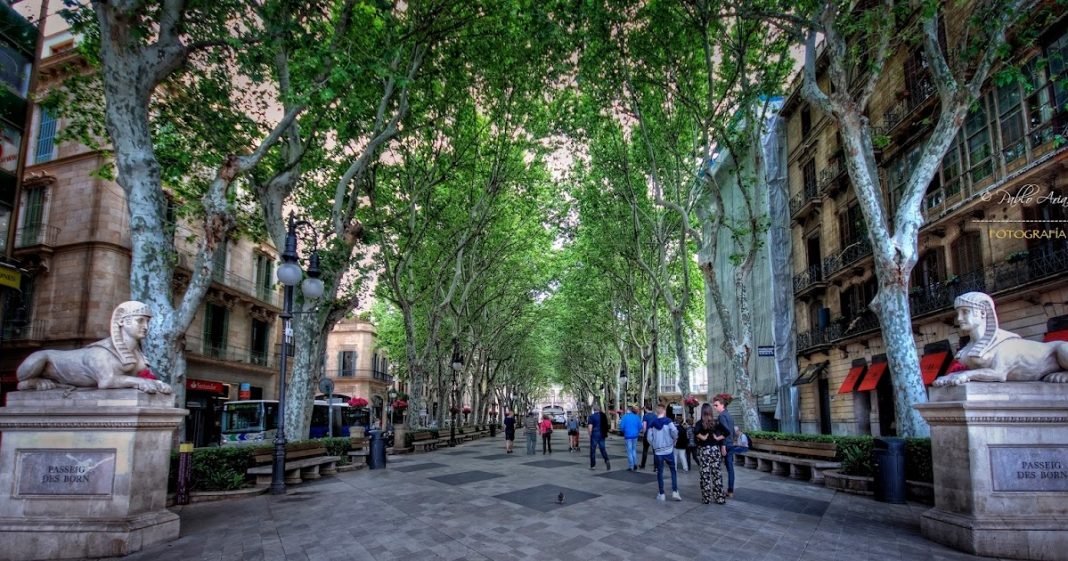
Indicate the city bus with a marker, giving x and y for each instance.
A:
(255, 421)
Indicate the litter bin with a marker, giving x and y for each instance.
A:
(493, 430)
(377, 457)
(888, 462)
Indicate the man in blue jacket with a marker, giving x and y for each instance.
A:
(631, 427)
(648, 418)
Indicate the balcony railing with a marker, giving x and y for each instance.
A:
(911, 98)
(674, 388)
(25, 331)
(940, 295)
(42, 234)
(186, 258)
(853, 252)
(808, 278)
(803, 201)
(1037, 266)
(831, 173)
(858, 324)
(814, 339)
(231, 353)
(359, 373)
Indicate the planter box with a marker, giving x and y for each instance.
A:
(211, 496)
(919, 491)
(855, 484)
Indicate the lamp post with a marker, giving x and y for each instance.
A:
(457, 364)
(391, 395)
(623, 384)
(289, 274)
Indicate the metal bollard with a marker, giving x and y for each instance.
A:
(185, 468)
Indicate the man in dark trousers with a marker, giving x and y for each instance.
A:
(598, 429)
(649, 417)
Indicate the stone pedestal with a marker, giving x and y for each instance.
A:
(1000, 453)
(84, 473)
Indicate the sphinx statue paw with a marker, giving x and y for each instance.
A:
(1057, 378)
(37, 384)
(951, 380)
(153, 386)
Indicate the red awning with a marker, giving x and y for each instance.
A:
(1061, 335)
(872, 379)
(851, 379)
(932, 366)
(9, 378)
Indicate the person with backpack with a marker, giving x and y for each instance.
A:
(572, 434)
(662, 435)
(598, 430)
(546, 430)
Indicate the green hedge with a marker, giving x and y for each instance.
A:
(855, 452)
(223, 468)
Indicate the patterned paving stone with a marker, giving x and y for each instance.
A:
(550, 464)
(545, 498)
(493, 457)
(465, 477)
(419, 467)
(783, 501)
(631, 476)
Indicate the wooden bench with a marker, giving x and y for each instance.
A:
(301, 464)
(795, 458)
(425, 441)
(358, 449)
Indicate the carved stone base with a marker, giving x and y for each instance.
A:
(1000, 453)
(84, 473)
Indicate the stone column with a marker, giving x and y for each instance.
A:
(1000, 453)
(84, 473)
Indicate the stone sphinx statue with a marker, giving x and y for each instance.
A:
(105, 364)
(996, 355)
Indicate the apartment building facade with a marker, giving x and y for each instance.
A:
(995, 220)
(73, 242)
(356, 367)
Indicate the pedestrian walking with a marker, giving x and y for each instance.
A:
(631, 427)
(530, 428)
(646, 419)
(546, 430)
(509, 431)
(682, 442)
(724, 420)
(598, 430)
(573, 434)
(662, 434)
(709, 456)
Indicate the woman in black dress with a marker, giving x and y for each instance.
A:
(709, 456)
(509, 431)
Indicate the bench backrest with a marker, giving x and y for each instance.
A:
(416, 437)
(796, 447)
(268, 456)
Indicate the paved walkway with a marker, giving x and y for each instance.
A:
(474, 502)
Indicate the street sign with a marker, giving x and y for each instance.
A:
(766, 350)
(10, 277)
(326, 385)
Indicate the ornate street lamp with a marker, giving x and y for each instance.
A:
(391, 395)
(289, 274)
(457, 365)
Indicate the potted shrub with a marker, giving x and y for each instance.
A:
(1016, 257)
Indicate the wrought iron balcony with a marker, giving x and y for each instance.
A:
(940, 295)
(854, 251)
(818, 338)
(808, 280)
(830, 174)
(1037, 266)
(228, 352)
(804, 201)
(241, 284)
(859, 324)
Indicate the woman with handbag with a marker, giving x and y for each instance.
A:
(708, 444)
(546, 427)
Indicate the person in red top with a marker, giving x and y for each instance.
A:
(546, 430)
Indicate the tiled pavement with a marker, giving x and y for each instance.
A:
(485, 505)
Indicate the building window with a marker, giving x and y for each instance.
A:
(967, 254)
(18, 311)
(218, 263)
(264, 276)
(809, 174)
(977, 139)
(216, 319)
(851, 227)
(930, 270)
(5, 222)
(1048, 217)
(32, 223)
(899, 171)
(346, 364)
(1010, 119)
(260, 342)
(806, 121)
(46, 137)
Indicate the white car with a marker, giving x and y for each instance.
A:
(560, 419)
